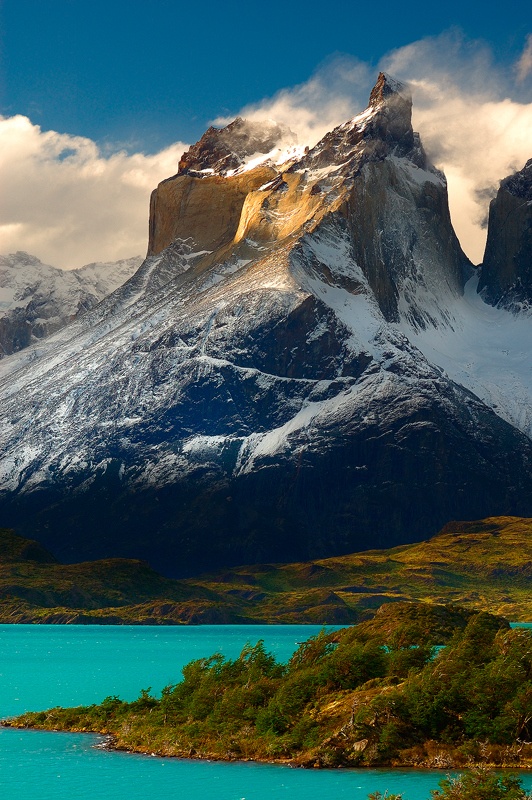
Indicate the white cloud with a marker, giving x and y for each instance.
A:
(67, 203)
(524, 65)
(336, 91)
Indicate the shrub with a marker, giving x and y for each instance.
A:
(481, 784)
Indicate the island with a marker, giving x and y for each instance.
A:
(418, 685)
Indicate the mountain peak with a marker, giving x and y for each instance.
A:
(19, 259)
(387, 87)
(520, 183)
(383, 128)
(506, 276)
(222, 151)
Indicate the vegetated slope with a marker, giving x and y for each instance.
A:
(37, 299)
(483, 565)
(254, 393)
(350, 698)
(35, 588)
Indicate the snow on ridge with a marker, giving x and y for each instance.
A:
(417, 174)
(278, 157)
(24, 278)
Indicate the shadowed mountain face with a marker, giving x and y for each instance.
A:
(506, 278)
(253, 393)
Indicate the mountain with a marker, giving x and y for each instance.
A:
(300, 368)
(37, 299)
(483, 565)
(507, 267)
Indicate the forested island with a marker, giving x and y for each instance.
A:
(420, 685)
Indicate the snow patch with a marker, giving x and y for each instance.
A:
(488, 351)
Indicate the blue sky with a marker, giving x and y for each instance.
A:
(148, 73)
(98, 100)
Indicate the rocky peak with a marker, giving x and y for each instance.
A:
(384, 128)
(520, 183)
(224, 150)
(19, 259)
(372, 170)
(506, 276)
(386, 88)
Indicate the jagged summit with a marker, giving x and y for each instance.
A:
(373, 166)
(20, 258)
(243, 144)
(384, 128)
(223, 151)
(387, 87)
(520, 183)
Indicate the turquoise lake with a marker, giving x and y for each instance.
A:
(43, 666)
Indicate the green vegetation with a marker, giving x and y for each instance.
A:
(481, 784)
(477, 784)
(480, 565)
(356, 697)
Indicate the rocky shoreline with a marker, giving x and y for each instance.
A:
(436, 757)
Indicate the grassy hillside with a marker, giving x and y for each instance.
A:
(480, 565)
(375, 694)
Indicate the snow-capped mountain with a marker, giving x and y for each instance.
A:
(37, 299)
(294, 371)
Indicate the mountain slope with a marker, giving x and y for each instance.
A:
(254, 392)
(36, 299)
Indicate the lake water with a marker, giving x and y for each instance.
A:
(42, 666)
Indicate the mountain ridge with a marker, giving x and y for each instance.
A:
(37, 299)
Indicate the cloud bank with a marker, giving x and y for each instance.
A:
(63, 200)
(68, 203)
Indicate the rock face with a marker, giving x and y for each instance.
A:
(253, 392)
(37, 299)
(506, 278)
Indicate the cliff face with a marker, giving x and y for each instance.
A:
(506, 277)
(254, 392)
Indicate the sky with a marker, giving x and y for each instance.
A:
(98, 100)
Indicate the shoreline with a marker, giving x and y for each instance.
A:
(303, 761)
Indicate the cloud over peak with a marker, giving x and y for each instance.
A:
(474, 116)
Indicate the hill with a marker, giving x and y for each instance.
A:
(484, 565)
